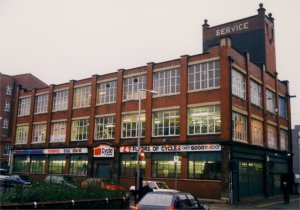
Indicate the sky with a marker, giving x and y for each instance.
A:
(62, 40)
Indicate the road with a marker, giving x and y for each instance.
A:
(294, 204)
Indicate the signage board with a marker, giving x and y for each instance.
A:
(51, 151)
(104, 151)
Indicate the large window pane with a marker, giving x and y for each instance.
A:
(128, 164)
(60, 100)
(283, 139)
(106, 92)
(39, 133)
(24, 106)
(82, 97)
(57, 164)
(282, 107)
(41, 104)
(22, 134)
(272, 136)
(19, 164)
(238, 84)
(132, 85)
(239, 126)
(78, 165)
(105, 127)
(271, 101)
(80, 130)
(256, 95)
(166, 123)
(58, 131)
(130, 125)
(37, 164)
(257, 132)
(163, 166)
(167, 82)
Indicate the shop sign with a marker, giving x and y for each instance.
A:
(232, 29)
(173, 148)
(104, 151)
(51, 151)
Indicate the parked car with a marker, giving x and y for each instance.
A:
(3, 174)
(16, 179)
(62, 180)
(101, 183)
(156, 186)
(169, 200)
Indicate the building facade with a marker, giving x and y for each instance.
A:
(296, 156)
(8, 86)
(218, 125)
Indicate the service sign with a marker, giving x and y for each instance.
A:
(173, 148)
(104, 151)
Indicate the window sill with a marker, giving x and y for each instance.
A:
(203, 90)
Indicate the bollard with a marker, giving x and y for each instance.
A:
(73, 203)
(35, 205)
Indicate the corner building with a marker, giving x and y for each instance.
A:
(224, 114)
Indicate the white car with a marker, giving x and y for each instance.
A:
(156, 186)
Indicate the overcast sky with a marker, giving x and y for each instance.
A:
(60, 40)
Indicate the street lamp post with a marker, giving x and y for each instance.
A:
(138, 166)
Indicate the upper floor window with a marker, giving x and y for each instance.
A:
(256, 93)
(106, 92)
(58, 131)
(283, 139)
(204, 75)
(8, 90)
(41, 104)
(257, 132)
(132, 85)
(82, 97)
(22, 134)
(105, 127)
(5, 123)
(24, 106)
(6, 149)
(80, 130)
(238, 84)
(7, 106)
(60, 100)
(166, 123)
(282, 107)
(272, 136)
(39, 133)
(239, 126)
(271, 101)
(130, 125)
(204, 120)
(167, 82)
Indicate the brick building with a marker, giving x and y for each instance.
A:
(8, 86)
(224, 112)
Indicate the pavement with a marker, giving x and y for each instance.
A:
(255, 203)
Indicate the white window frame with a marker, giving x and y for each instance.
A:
(82, 96)
(238, 84)
(41, 104)
(39, 133)
(239, 127)
(105, 127)
(132, 85)
(130, 125)
(58, 131)
(256, 94)
(22, 134)
(8, 90)
(24, 106)
(204, 76)
(284, 139)
(272, 136)
(282, 109)
(167, 82)
(170, 118)
(257, 132)
(271, 101)
(60, 100)
(80, 129)
(7, 106)
(106, 92)
(5, 123)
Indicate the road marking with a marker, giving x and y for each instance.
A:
(273, 203)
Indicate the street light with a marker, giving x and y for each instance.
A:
(138, 171)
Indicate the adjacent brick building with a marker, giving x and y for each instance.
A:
(8, 86)
(224, 112)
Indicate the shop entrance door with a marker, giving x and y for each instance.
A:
(103, 171)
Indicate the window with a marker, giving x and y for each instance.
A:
(163, 166)
(6, 149)
(7, 106)
(106, 92)
(204, 75)
(37, 164)
(82, 97)
(39, 133)
(57, 164)
(239, 126)
(283, 139)
(60, 100)
(41, 104)
(78, 165)
(271, 102)
(204, 120)
(24, 106)
(130, 125)
(238, 84)
(272, 136)
(204, 165)
(255, 93)
(282, 107)
(132, 85)
(128, 165)
(22, 134)
(257, 132)
(105, 127)
(167, 82)
(58, 132)
(8, 90)
(5, 123)
(19, 164)
(166, 123)
(80, 130)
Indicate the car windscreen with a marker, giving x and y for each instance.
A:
(156, 199)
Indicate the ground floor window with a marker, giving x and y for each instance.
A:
(204, 165)
(19, 164)
(128, 165)
(163, 166)
(37, 164)
(57, 164)
(78, 165)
